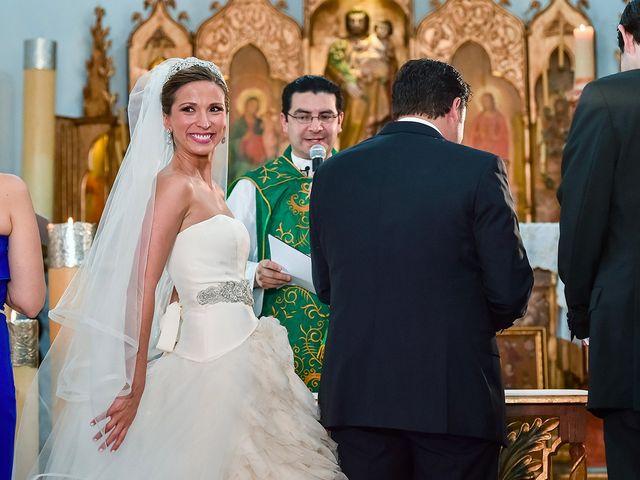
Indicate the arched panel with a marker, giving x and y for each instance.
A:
(255, 132)
(497, 31)
(155, 39)
(252, 22)
(311, 6)
(551, 31)
(552, 95)
(328, 22)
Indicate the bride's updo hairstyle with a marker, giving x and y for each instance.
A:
(194, 73)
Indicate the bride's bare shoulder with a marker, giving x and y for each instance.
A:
(169, 178)
(174, 190)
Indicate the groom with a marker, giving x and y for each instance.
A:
(415, 245)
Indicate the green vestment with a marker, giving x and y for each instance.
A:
(282, 210)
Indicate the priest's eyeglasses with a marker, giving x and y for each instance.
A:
(307, 118)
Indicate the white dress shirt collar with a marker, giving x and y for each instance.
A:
(410, 118)
(301, 163)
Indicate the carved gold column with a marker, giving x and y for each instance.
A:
(38, 131)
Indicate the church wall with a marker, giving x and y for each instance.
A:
(68, 22)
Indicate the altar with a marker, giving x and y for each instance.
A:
(539, 423)
(538, 352)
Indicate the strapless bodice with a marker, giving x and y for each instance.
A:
(210, 252)
(207, 265)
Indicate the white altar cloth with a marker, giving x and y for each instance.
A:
(541, 243)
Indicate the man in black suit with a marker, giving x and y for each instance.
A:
(415, 246)
(599, 251)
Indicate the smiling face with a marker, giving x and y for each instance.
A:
(197, 118)
(302, 137)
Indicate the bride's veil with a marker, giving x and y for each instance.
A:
(93, 357)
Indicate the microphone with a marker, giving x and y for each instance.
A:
(317, 153)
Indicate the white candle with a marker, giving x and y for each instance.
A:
(38, 139)
(584, 55)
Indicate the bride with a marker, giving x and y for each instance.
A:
(223, 400)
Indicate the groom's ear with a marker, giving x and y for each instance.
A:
(456, 110)
(628, 40)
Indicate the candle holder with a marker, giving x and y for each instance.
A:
(23, 336)
(23, 339)
(69, 244)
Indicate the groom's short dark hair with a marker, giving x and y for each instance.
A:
(427, 87)
(630, 20)
(314, 84)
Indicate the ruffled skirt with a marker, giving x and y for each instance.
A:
(243, 416)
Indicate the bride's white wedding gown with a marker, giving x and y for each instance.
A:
(226, 403)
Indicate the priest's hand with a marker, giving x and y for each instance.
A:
(269, 275)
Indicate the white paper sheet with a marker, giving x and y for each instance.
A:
(294, 262)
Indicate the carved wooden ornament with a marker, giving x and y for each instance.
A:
(252, 22)
(155, 39)
(484, 22)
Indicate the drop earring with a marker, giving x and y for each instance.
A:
(169, 136)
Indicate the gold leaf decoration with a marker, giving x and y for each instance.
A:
(516, 460)
(98, 100)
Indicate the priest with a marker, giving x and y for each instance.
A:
(274, 200)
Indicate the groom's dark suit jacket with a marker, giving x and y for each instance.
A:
(416, 247)
(599, 250)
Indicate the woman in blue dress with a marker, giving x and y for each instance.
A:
(21, 287)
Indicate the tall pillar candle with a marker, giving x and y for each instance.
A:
(584, 72)
(69, 245)
(38, 131)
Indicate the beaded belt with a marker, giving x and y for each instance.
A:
(227, 292)
(223, 292)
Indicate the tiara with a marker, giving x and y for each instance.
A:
(189, 62)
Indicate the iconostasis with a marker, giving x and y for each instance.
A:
(525, 76)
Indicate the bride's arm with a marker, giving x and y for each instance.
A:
(173, 196)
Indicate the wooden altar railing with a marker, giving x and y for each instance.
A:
(541, 421)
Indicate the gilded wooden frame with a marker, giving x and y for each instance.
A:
(155, 39)
(252, 22)
(530, 342)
